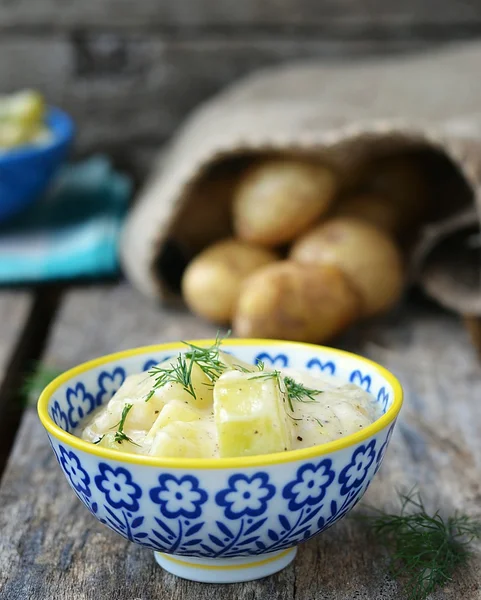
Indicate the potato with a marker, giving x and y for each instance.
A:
(373, 209)
(287, 300)
(279, 199)
(211, 282)
(249, 415)
(367, 256)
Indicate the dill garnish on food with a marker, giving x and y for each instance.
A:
(299, 392)
(207, 358)
(120, 436)
(180, 371)
(425, 550)
(295, 392)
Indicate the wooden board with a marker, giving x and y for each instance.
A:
(127, 92)
(14, 309)
(231, 14)
(51, 547)
(97, 321)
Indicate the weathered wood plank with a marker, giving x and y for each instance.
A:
(52, 548)
(24, 320)
(233, 14)
(41, 62)
(100, 320)
(14, 309)
(128, 90)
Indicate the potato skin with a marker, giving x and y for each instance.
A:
(277, 200)
(211, 282)
(287, 300)
(367, 256)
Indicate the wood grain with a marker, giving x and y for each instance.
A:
(128, 91)
(14, 311)
(51, 14)
(104, 319)
(14, 308)
(51, 547)
(24, 321)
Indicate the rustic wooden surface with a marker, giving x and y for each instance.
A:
(52, 548)
(15, 308)
(129, 72)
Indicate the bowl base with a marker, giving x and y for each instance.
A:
(225, 570)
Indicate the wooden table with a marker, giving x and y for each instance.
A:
(52, 548)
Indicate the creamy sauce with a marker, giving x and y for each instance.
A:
(239, 414)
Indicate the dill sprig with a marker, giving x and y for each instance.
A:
(295, 392)
(99, 440)
(207, 358)
(299, 392)
(425, 549)
(120, 436)
(180, 371)
(277, 376)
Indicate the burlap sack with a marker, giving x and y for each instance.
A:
(347, 112)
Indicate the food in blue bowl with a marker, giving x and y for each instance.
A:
(221, 459)
(34, 142)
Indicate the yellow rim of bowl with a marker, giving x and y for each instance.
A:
(216, 463)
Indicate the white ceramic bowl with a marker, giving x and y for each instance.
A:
(219, 520)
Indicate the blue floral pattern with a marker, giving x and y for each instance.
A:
(148, 364)
(310, 486)
(327, 366)
(353, 475)
(234, 514)
(59, 417)
(108, 384)
(246, 495)
(78, 476)
(80, 404)
(383, 398)
(280, 360)
(118, 487)
(382, 450)
(363, 381)
(179, 497)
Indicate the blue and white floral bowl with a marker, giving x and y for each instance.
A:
(219, 520)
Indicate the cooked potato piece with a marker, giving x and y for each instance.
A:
(108, 441)
(249, 414)
(232, 362)
(367, 256)
(292, 301)
(175, 410)
(279, 199)
(201, 385)
(378, 211)
(211, 282)
(185, 440)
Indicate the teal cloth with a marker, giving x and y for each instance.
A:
(73, 231)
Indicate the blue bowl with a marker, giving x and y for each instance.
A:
(225, 519)
(26, 172)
